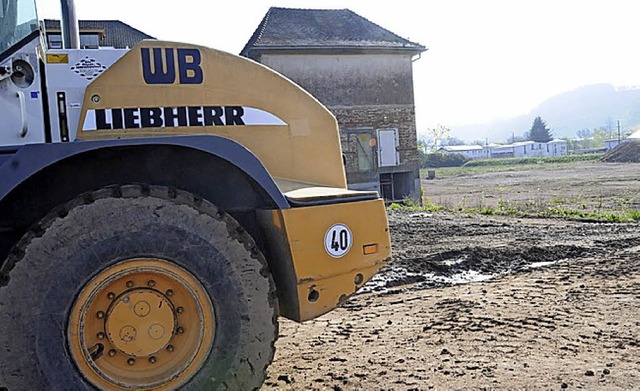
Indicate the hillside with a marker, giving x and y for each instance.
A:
(589, 107)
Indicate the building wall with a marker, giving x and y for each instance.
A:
(557, 149)
(365, 92)
(521, 151)
(349, 79)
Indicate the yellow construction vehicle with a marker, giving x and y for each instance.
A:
(160, 207)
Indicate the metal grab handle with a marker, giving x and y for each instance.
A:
(23, 114)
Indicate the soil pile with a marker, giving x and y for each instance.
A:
(626, 152)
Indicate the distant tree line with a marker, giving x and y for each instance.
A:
(588, 139)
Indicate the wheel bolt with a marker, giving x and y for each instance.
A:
(112, 353)
(129, 284)
(170, 348)
(169, 292)
(180, 330)
(111, 295)
(180, 310)
(131, 361)
(151, 283)
(100, 314)
(152, 360)
(100, 335)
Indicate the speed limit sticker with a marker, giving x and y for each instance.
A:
(338, 240)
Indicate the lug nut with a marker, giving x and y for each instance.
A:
(131, 361)
(169, 292)
(111, 295)
(129, 284)
(170, 348)
(152, 360)
(100, 335)
(180, 310)
(180, 330)
(151, 283)
(112, 353)
(100, 314)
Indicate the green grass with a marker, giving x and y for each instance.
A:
(532, 209)
(408, 204)
(533, 160)
(511, 164)
(633, 215)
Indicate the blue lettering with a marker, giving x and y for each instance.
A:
(189, 66)
(163, 71)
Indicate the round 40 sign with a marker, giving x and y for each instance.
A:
(338, 240)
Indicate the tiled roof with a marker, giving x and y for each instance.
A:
(287, 28)
(116, 33)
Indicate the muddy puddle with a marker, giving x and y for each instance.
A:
(437, 250)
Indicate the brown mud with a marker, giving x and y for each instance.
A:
(480, 302)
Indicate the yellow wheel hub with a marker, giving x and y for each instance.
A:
(141, 324)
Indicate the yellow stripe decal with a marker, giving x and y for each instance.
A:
(57, 58)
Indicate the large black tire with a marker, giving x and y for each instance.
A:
(46, 270)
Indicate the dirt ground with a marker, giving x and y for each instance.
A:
(592, 185)
(484, 302)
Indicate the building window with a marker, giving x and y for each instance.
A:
(364, 151)
(89, 41)
(54, 41)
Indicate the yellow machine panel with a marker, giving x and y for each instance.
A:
(164, 88)
(334, 248)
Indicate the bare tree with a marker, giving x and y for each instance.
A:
(438, 134)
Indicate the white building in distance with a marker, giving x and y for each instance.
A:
(554, 147)
(470, 151)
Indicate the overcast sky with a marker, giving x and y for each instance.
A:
(487, 59)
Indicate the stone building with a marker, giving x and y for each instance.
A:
(363, 74)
